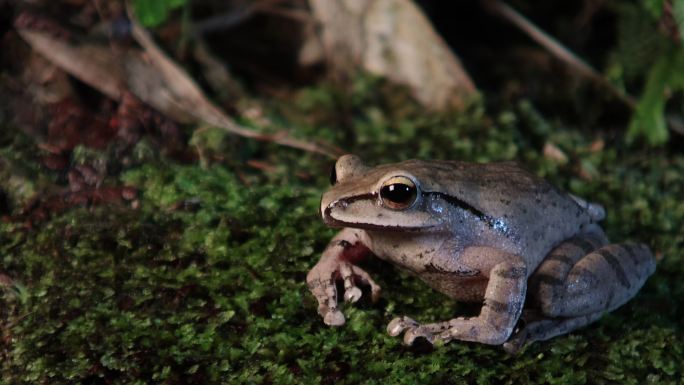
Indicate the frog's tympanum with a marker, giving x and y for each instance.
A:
(492, 233)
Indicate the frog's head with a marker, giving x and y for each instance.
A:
(384, 198)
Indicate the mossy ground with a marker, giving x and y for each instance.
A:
(202, 279)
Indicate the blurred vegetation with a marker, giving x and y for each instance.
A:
(650, 48)
(152, 13)
(199, 279)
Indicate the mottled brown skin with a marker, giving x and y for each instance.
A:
(490, 233)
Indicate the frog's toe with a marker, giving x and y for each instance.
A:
(517, 340)
(352, 294)
(399, 324)
(514, 345)
(351, 274)
(375, 292)
(334, 318)
(419, 331)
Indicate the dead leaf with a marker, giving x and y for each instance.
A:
(92, 64)
(153, 78)
(192, 99)
(597, 145)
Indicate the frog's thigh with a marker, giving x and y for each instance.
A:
(596, 283)
(605, 279)
(546, 287)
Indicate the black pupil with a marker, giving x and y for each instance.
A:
(399, 193)
(333, 175)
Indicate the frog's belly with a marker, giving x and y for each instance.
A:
(467, 289)
(410, 252)
(416, 254)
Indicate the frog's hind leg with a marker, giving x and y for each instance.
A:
(600, 281)
(546, 286)
(539, 328)
(570, 291)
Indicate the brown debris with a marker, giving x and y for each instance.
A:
(597, 145)
(5, 280)
(71, 125)
(551, 151)
(42, 208)
(46, 25)
(261, 165)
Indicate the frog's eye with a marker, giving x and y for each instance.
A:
(333, 175)
(398, 193)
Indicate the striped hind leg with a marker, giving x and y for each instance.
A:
(541, 328)
(546, 289)
(569, 292)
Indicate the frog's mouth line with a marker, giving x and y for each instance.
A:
(330, 221)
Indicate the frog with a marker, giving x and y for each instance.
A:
(532, 255)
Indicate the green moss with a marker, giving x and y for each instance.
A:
(203, 282)
(19, 170)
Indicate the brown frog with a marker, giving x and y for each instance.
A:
(492, 233)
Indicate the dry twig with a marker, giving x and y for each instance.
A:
(557, 49)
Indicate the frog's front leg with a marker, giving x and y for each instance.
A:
(338, 262)
(503, 303)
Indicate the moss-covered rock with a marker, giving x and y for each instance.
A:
(200, 279)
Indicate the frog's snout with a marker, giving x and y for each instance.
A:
(325, 207)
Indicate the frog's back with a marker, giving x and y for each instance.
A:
(533, 213)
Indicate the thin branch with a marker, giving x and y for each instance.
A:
(294, 14)
(555, 47)
(231, 19)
